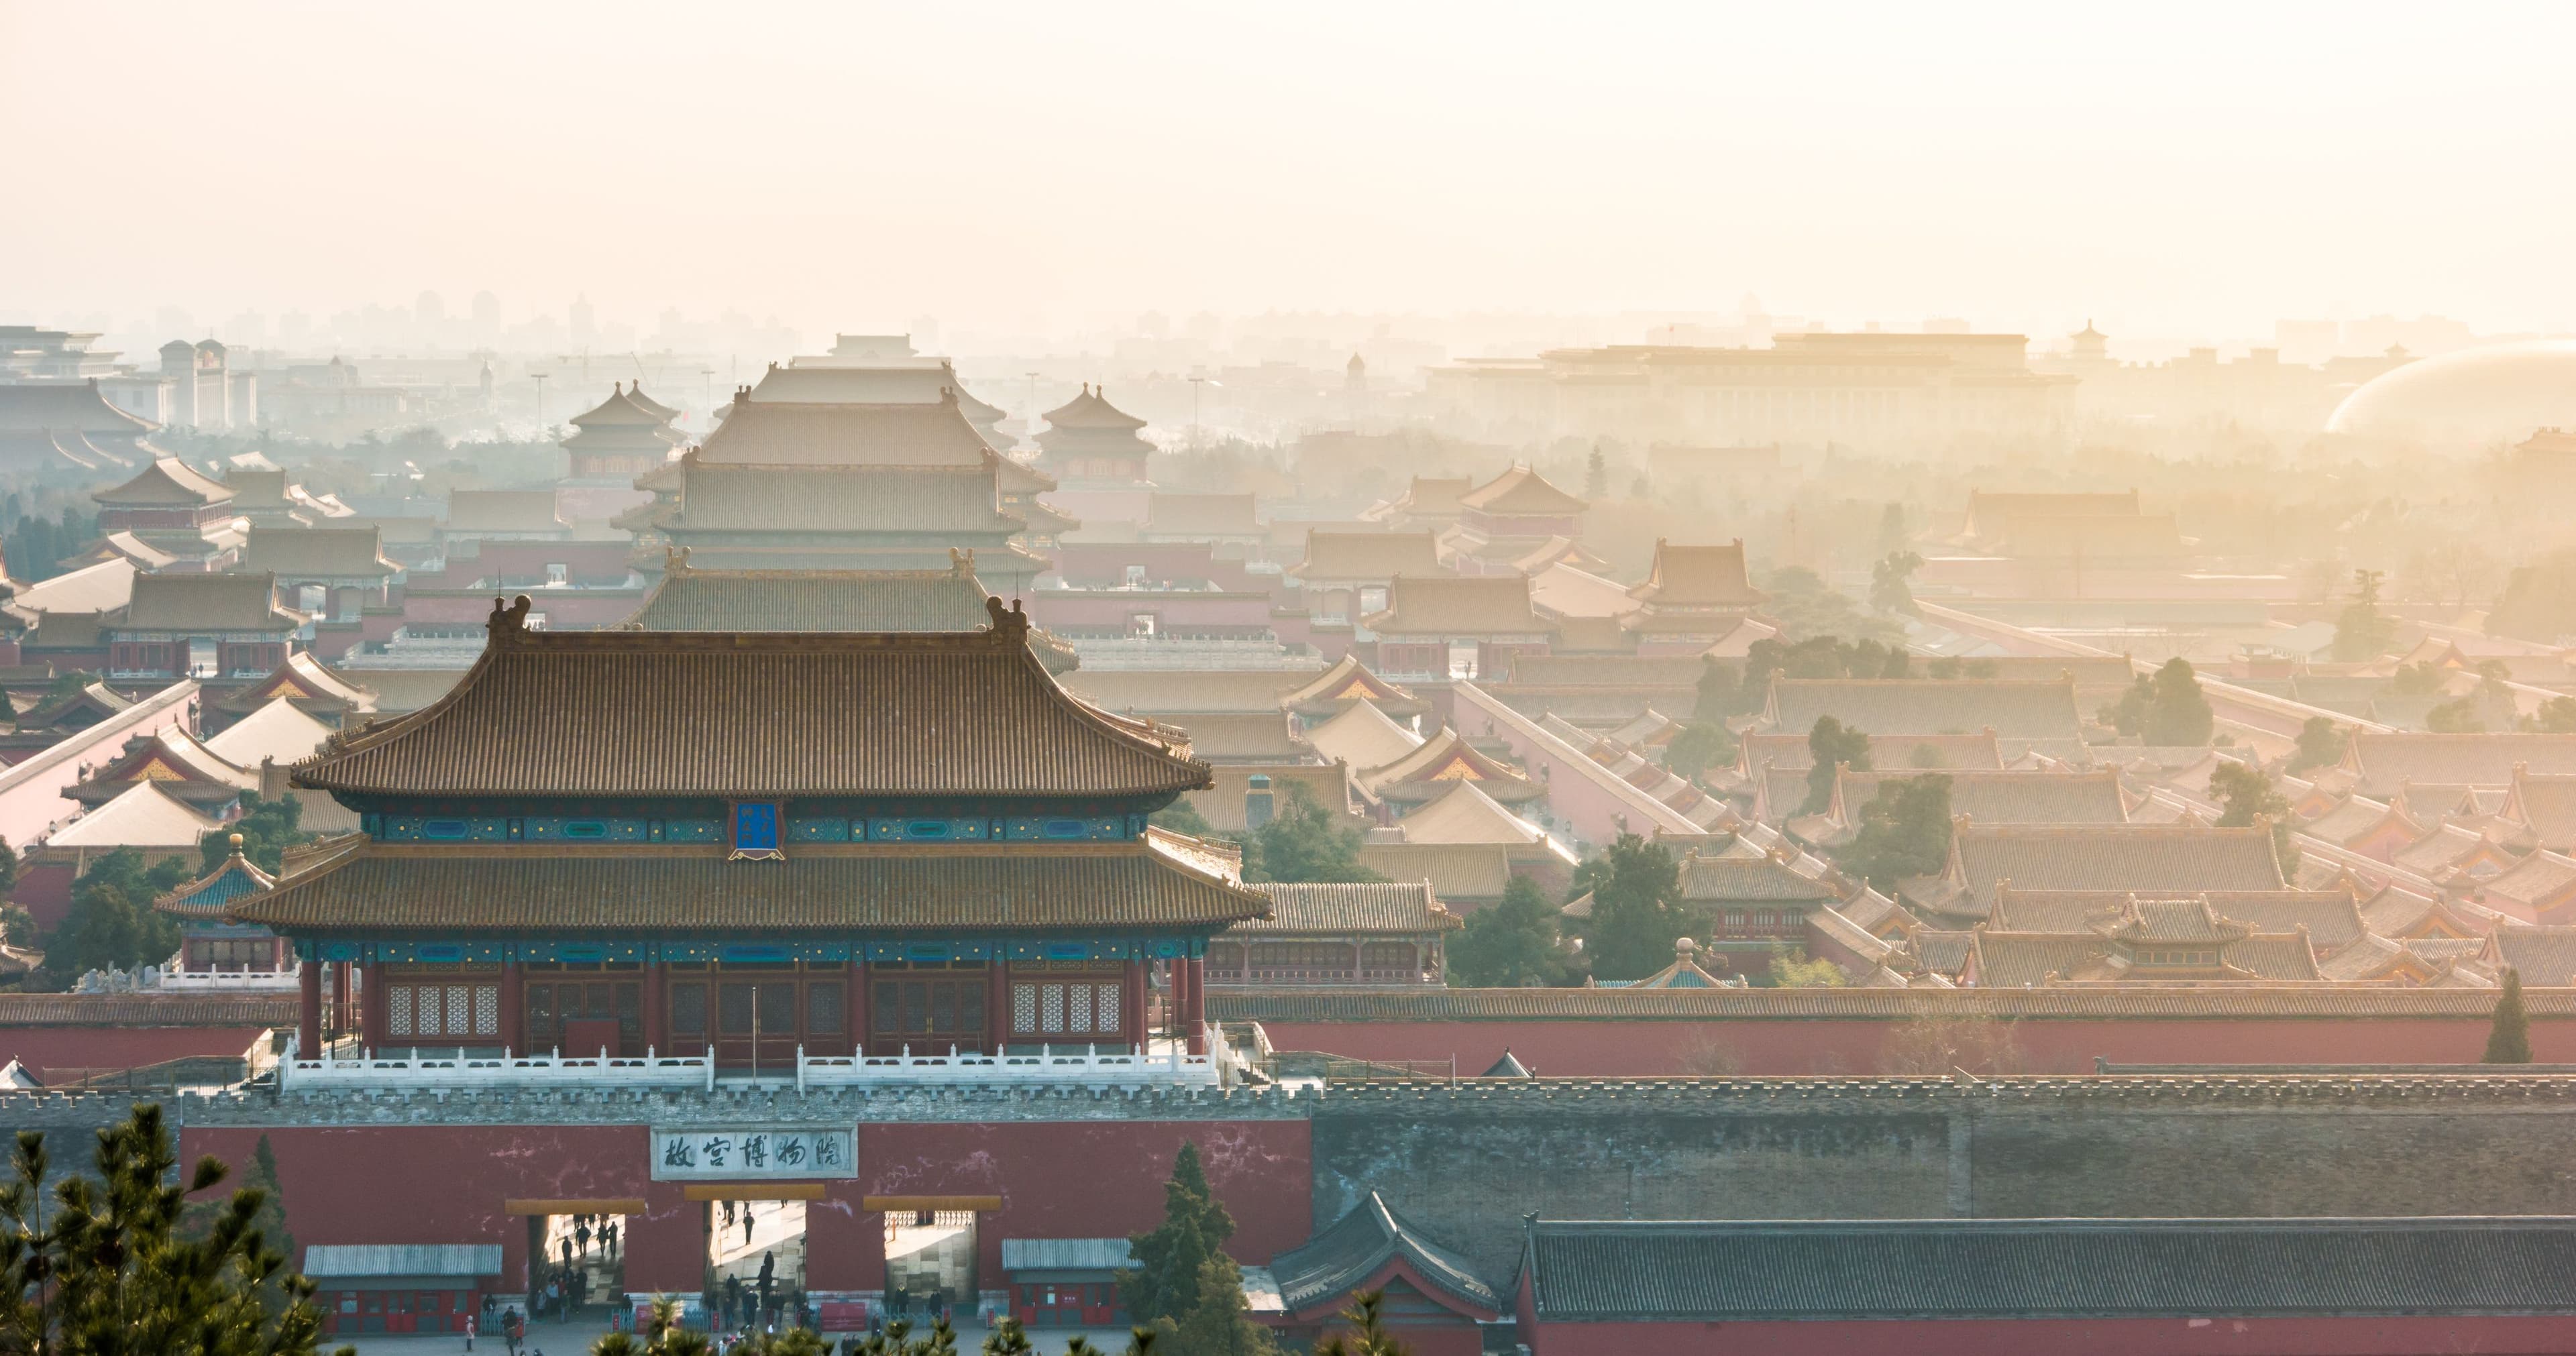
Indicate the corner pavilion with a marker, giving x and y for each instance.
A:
(761, 848)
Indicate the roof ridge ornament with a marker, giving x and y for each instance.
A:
(508, 620)
(1009, 624)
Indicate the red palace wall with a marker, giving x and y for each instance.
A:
(2058, 1337)
(451, 1184)
(1782, 1047)
(42, 1048)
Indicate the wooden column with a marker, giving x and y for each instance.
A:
(1135, 998)
(859, 1005)
(372, 1009)
(1194, 1010)
(997, 1007)
(514, 1008)
(308, 1014)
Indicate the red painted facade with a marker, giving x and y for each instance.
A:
(1791, 1046)
(45, 1048)
(1054, 1179)
(2401, 1336)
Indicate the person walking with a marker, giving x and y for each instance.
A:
(469, 1332)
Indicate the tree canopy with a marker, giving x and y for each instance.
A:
(1512, 944)
(1304, 842)
(267, 829)
(1184, 1287)
(2321, 743)
(1904, 831)
(2362, 629)
(106, 1267)
(1637, 911)
(1831, 744)
(1890, 589)
(2509, 1039)
(110, 923)
(2166, 707)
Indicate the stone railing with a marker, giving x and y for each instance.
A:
(467, 1068)
(1163, 1062)
(230, 981)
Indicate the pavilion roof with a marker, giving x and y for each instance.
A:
(1465, 814)
(279, 731)
(1092, 410)
(1369, 555)
(341, 552)
(621, 410)
(172, 758)
(220, 602)
(1348, 681)
(757, 714)
(206, 896)
(1328, 1268)
(1391, 908)
(1363, 737)
(167, 483)
(690, 599)
(143, 815)
(1445, 758)
(1699, 576)
(306, 681)
(785, 433)
(1521, 490)
(1467, 605)
(820, 888)
(1922, 706)
(731, 497)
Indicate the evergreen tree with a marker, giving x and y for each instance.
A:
(1636, 908)
(8, 869)
(2362, 630)
(1890, 589)
(1596, 475)
(106, 1269)
(2509, 1040)
(267, 829)
(2555, 716)
(1512, 944)
(1303, 842)
(1718, 693)
(1220, 1324)
(1702, 744)
(1828, 744)
(1892, 533)
(110, 923)
(2243, 792)
(1804, 972)
(2321, 743)
(1367, 1334)
(1171, 1259)
(1182, 817)
(1904, 831)
(2177, 713)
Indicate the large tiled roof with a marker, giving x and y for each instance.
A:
(656, 888)
(1244, 736)
(664, 713)
(2250, 1001)
(1465, 814)
(1402, 908)
(279, 731)
(2545, 803)
(2536, 880)
(1727, 879)
(2013, 960)
(502, 511)
(143, 816)
(2009, 797)
(1177, 692)
(1890, 753)
(342, 552)
(1444, 758)
(142, 1010)
(203, 602)
(2015, 710)
(1623, 671)
(1469, 605)
(1363, 737)
(1453, 870)
(913, 500)
(813, 600)
(1521, 490)
(1699, 576)
(2330, 916)
(2387, 762)
(781, 433)
(1349, 681)
(1368, 555)
(1329, 1267)
(167, 483)
(620, 410)
(1092, 410)
(2050, 1268)
(66, 406)
(2158, 859)
(2543, 956)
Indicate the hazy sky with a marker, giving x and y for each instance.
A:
(2168, 168)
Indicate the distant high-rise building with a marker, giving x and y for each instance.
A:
(430, 309)
(584, 321)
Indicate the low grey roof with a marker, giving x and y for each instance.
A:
(2042, 1268)
(402, 1259)
(1337, 1261)
(1066, 1254)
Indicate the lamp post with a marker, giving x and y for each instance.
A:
(540, 379)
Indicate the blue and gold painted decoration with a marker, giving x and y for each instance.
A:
(758, 827)
(924, 950)
(539, 829)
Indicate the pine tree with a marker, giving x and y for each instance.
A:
(1220, 1324)
(1514, 943)
(108, 1270)
(1165, 1280)
(1636, 908)
(1305, 842)
(1904, 831)
(1831, 744)
(1596, 475)
(2509, 1040)
(2177, 714)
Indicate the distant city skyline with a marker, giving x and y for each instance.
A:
(1037, 171)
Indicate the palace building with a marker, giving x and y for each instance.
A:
(788, 847)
